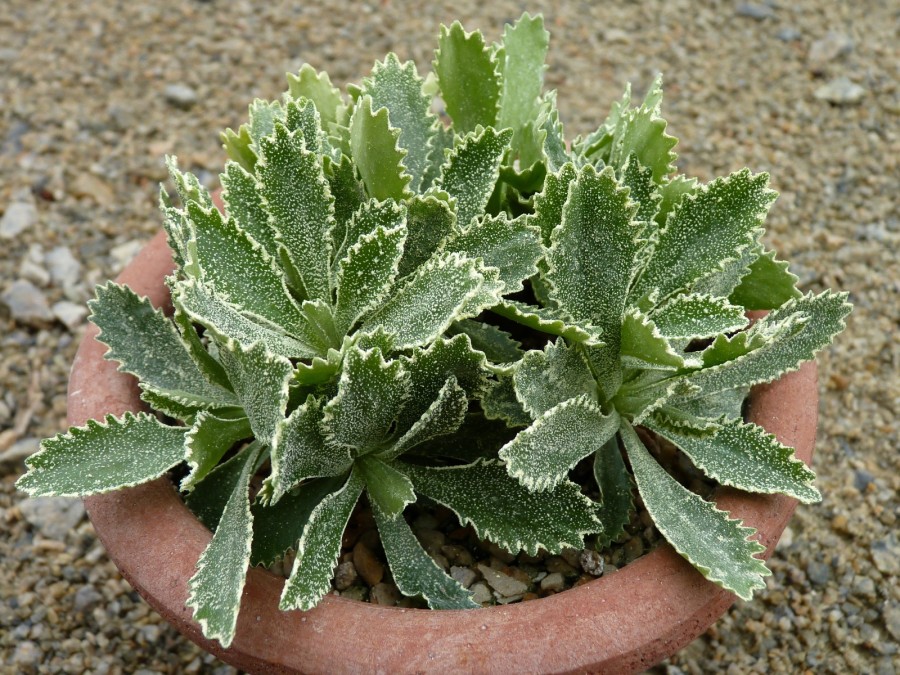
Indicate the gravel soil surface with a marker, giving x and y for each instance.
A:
(93, 94)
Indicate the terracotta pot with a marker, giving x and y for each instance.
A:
(623, 622)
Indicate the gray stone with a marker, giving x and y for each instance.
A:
(124, 253)
(86, 598)
(891, 614)
(841, 91)
(827, 49)
(592, 562)
(27, 304)
(64, 268)
(17, 218)
(180, 96)
(481, 593)
(553, 582)
(818, 573)
(27, 654)
(150, 633)
(886, 555)
(345, 575)
(53, 517)
(465, 576)
(71, 314)
(384, 594)
(505, 585)
(788, 34)
(19, 450)
(753, 11)
(7, 55)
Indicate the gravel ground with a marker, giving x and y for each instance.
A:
(93, 93)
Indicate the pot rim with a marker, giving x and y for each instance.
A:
(624, 621)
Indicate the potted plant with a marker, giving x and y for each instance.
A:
(389, 308)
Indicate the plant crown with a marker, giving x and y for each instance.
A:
(354, 323)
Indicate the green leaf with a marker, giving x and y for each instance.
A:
(729, 403)
(377, 153)
(698, 316)
(444, 416)
(148, 346)
(226, 322)
(370, 393)
(207, 442)
(641, 189)
(399, 89)
(673, 192)
(643, 346)
(643, 132)
(278, 527)
(556, 151)
(477, 438)
(824, 316)
(548, 320)
(503, 510)
(447, 288)
(188, 185)
(713, 543)
(301, 115)
(414, 571)
(301, 452)
(320, 546)
(366, 274)
(541, 455)
(103, 456)
(471, 171)
(239, 268)
(592, 254)
(317, 88)
(521, 65)
(261, 380)
(497, 345)
(591, 262)
(388, 488)
(469, 78)
(205, 361)
(349, 195)
(217, 585)
(238, 147)
(549, 203)
(741, 455)
(368, 217)
(430, 221)
(705, 230)
(175, 225)
(544, 379)
(209, 497)
(263, 116)
(727, 348)
(439, 146)
(501, 403)
(429, 370)
(300, 207)
(512, 246)
(768, 285)
(616, 500)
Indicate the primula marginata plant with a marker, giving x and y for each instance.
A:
(354, 323)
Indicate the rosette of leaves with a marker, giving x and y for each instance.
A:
(323, 336)
(646, 280)
(354, 322)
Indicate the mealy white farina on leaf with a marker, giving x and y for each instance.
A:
(103, 456)
(221, 571)
(418, 291)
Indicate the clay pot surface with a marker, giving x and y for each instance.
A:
(622, 622)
